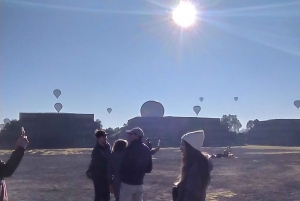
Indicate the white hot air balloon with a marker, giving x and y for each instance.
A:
(236, 98)
(56, 93)
(6, 121)
(109, 110)
(201, 99)
(297, 103)
(58, 107)
(152, 109)
(197, 109)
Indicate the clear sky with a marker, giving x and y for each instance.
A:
(119, 54)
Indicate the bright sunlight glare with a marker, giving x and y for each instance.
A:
(184, 14)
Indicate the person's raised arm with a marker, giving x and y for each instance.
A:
(8, 168)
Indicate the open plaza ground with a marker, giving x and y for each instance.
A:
(258, 173)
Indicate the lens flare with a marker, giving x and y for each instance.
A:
(184, 14)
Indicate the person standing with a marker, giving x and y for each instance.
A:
(195, 170)
(116, 158)
(136, 163)
(8, 168)
(100, 167)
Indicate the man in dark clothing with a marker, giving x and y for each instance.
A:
(8, 168)
(136, 163)
(99, 167)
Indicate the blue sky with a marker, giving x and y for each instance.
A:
(119, 54)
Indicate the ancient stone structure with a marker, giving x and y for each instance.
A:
(276, 132)
(170, 129)
(59, 130)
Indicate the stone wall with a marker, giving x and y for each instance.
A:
(170, 130)
(59, 130)
(276, 132)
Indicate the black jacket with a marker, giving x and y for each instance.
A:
(8, 168)
(136, 163)
(115, 164)
(99, 164)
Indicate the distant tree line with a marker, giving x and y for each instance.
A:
(10, 133)
(234, 125)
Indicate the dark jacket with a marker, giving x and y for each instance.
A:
(136, 163)
(8, 168)
(115, 163)
(99, 163)
(192, 188)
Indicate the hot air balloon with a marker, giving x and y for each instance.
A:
(297, 103)
(109, 110)
(197, 109)
(56, 93)
(6, 121)
(236, 98)
(152, 109)
(201, 99)
(58, 107)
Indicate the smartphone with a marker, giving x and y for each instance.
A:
(158, 144)
(23, 130)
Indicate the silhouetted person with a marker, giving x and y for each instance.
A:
(226, 151)
(136, 163)
(116, 158)
(100, 167)
(8, 168)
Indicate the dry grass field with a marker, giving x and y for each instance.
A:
(259, 173)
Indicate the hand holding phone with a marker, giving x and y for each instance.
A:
(22, 141)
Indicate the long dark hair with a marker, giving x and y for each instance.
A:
(191, 157)
(119, 145)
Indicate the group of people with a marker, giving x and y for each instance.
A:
(226, 154)
(120, 170)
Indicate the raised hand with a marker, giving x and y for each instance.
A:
(22, 141)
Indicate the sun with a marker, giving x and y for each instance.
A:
(184, 14)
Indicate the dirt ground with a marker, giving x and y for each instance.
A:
(259, 173)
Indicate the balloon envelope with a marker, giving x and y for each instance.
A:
(58, 107)
(201, 99)
(236, 98)
(6, 121)
(297, 103)
(152, 109)
(56, 93)
(197, 109)
(109, 110)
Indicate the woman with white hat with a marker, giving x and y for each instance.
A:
(195, 171)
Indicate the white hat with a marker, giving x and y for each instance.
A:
(195, 139)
